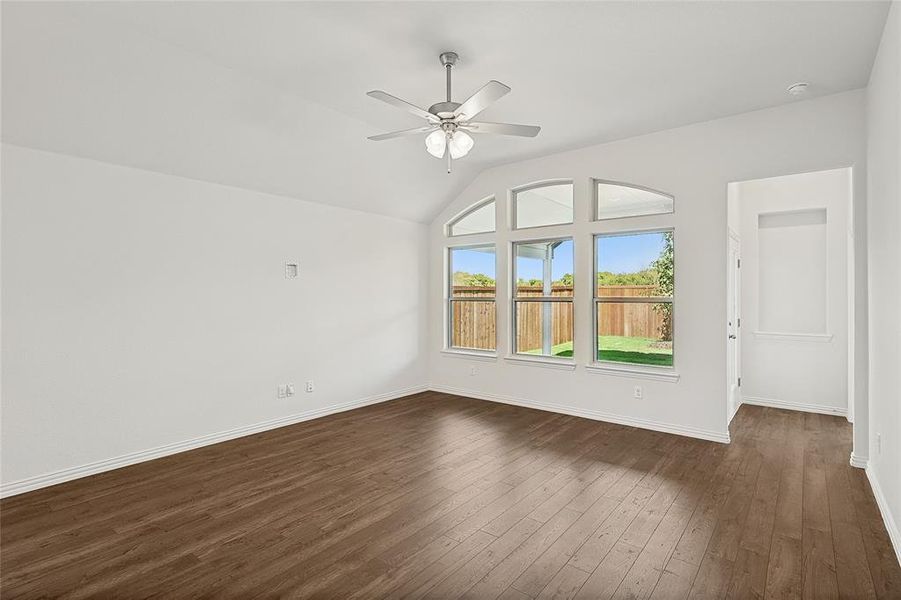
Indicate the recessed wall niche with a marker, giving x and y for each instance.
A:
(792, 271)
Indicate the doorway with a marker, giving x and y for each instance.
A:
(787, 292)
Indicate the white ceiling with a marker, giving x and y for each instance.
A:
(271, 96)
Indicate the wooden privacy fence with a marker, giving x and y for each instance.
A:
(529, 322)
(473, 324)
(629, 319)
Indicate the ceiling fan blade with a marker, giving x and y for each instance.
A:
(395, 134)
(395, 101)
(479, 101)
(502, 128)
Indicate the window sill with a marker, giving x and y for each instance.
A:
(470, 354)
(546, 363)
(633, 371)
(779, 336)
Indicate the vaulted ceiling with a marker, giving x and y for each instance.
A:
(271, 96)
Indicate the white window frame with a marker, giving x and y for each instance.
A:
(616, 367)
(449, 300)
(535, 185)
(596, 212)
(478, 205)
(515, 354)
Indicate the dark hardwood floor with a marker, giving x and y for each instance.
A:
(437, 496)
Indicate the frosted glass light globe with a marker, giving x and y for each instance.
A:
(436, 143)
(460, 144)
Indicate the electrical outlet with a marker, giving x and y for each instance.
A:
(472, 371)
(309, 386)
(637, 393)
(282, 391)
(289, 389)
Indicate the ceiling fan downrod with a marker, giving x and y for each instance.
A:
(448, 59)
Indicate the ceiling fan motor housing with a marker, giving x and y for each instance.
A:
(444, 110)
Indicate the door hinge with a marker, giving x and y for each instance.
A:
(739, 263)
(739, 321)
(739, 382)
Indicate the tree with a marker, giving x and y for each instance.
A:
(462, 278)
(645, 277)
(663, 268)
(529, 282)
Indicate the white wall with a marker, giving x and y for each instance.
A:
(695, 164)
(141, 310)
(884, 217)
(794, 280)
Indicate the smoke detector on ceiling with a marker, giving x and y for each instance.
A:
(798, 89)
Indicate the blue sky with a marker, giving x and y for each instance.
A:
(628, 253)
(474, 261)
(620, 254)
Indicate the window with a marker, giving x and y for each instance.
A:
(543, 204)
(472, 318)
(543, 300)
(477, 219)
(615, 200)
(634, 284)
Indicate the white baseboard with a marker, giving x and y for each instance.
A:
(694, 432)
(811, 408)
(40, 481)
(891, 526)
(858, 461)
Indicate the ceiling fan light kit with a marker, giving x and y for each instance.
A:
(448, 122)
(436, 143)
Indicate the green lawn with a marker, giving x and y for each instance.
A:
(633, 350)
(621, 349)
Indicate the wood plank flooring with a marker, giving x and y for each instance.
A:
(438, 496)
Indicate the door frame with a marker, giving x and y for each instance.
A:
(733, 299)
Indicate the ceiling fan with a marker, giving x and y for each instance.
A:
(448, 122)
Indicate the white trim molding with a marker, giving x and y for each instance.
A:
(595, 415)
(734, 410)
(41, 481)
(470, 355)
(779, 336)
(801, 406)
(546, 363)
(859, 462)
(659, 374)
(891, 527)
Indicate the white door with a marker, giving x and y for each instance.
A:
(733, 326)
